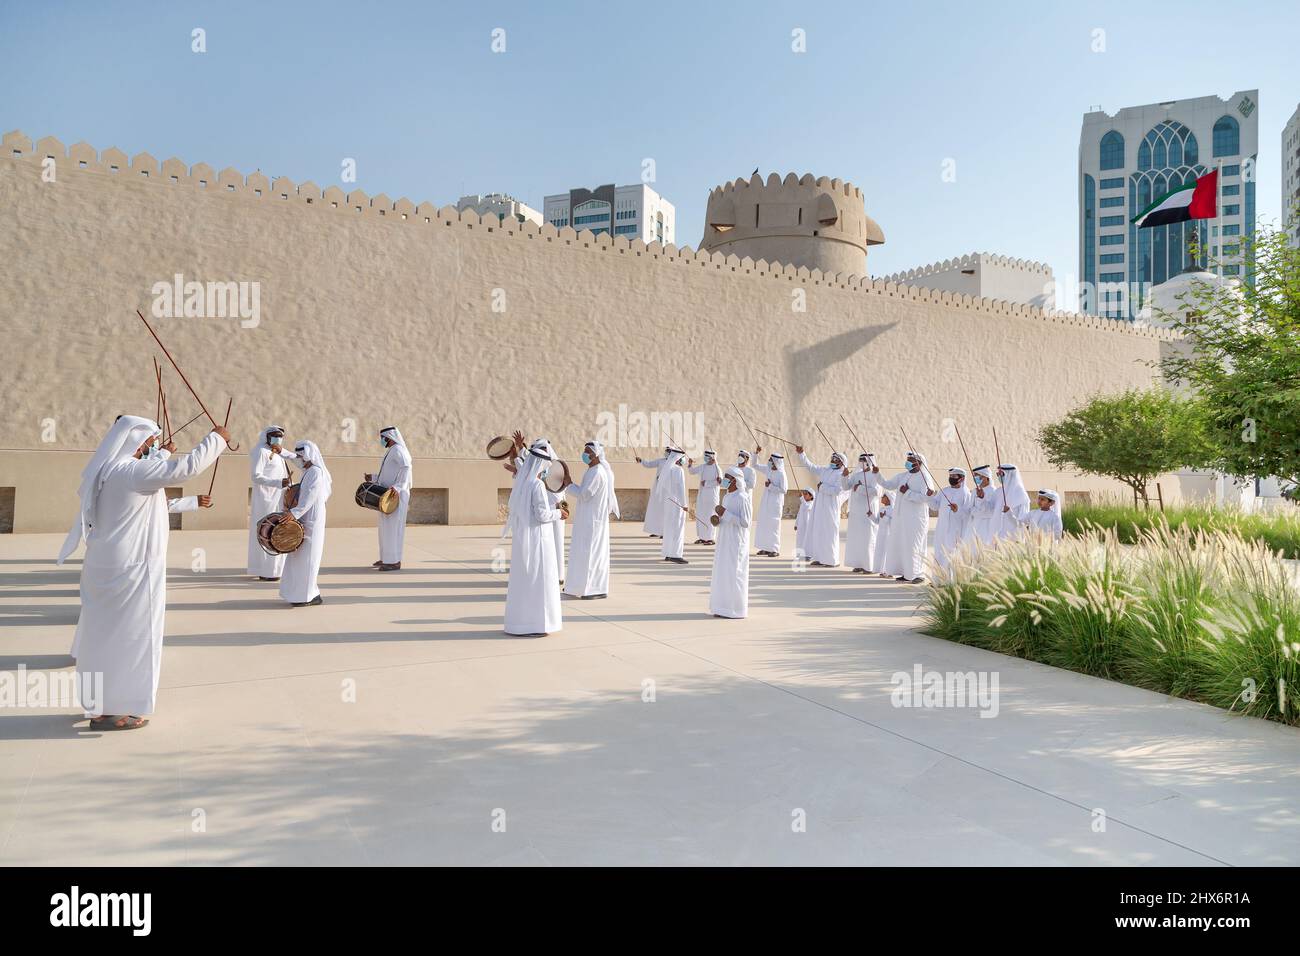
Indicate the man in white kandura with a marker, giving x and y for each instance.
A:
(863, 485)
(588, 575)
(1046, 518)
(880, 556)
(269, 474)
(123, 520)
(985, 510)
(533, 589)
(910, 521)
(1012, 504)
(767, 526)
(803, 523)
(654, 506)
(729, 586)
(706, 499)
(298, 583)
(672, 485)
(743, 460)
(394, 472)
(954, 506)
(824, 535)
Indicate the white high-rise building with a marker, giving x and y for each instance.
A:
(637, 212)
(499, 205)
(1291, 176)
(1133, 157)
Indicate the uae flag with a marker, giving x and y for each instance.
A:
(1197, 201)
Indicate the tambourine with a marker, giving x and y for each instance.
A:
(557, 477)
(500, 448)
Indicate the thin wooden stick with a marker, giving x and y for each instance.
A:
(217, 464)
(853, 433)
(157, 374)
(998, 451)
(824, 438)
(965, 454)
(174, 432)
(684, 508)
(746, 424)
(777, 437)
(179, 372)
(793, 474)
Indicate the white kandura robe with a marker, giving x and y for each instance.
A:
(880, 557)
(950, 530)
(1007, 524)
(909, 524)
(395, 472)
(673, 485)
(589, 542)
(298, 583)
(984, 517)
(803, 526)
(533, 590)
(729, 585)
(268, 472)
(1046, 522)
(864, 503)
(654, 510)
(767, 526)
(124, 578)
(706, 500)
(824, 539)
(557, 534)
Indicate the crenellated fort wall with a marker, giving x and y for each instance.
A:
(455, 328)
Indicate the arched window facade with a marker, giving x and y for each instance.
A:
(1168, 158)
(1112, 151)
(1227, 137)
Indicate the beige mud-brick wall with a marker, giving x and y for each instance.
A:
(375, 312)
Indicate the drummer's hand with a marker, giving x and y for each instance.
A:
(220, 430)
(285, 482)
(518, 438)
(720, 510)
(370, 477)
(205, 501)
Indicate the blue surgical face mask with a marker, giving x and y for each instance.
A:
(150, 452)
(586, 458)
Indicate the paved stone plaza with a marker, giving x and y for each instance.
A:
(459, 732)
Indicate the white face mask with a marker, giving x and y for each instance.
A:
(740, 461)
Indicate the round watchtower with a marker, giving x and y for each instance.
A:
(820, 223)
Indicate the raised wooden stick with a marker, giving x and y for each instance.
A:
(176, 431)
(217, 464)
(965, 454)
(997, 451)
(233, 447)
(746, 424)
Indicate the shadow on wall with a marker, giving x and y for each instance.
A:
(806, 368)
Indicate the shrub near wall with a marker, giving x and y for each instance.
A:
(1279, 530)
(1208, 616)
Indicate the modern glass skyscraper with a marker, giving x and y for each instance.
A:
(1135, 156)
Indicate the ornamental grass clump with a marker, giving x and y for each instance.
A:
(1195, 613)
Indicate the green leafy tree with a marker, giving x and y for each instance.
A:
(1241, 356)
(1132, 437)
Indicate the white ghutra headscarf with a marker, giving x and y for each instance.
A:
(128, 433)
(538, 458)
(599, 449)
(308, 452)
(255, 453)
(1015, 487)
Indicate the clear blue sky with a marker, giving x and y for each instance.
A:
(708, 89)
